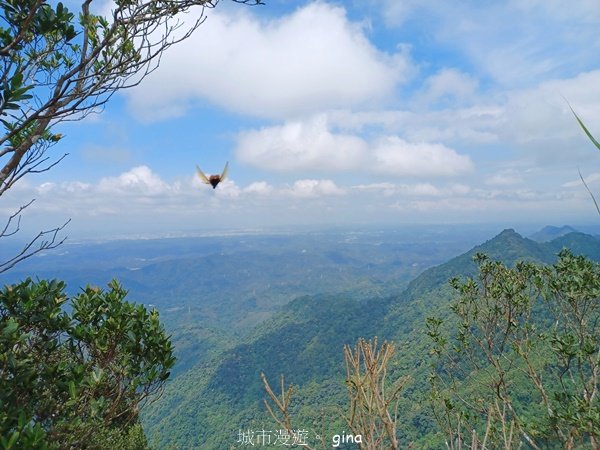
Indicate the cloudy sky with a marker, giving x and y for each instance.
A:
(343, 113)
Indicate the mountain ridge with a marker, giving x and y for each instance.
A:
(549, 233)
(304, 341)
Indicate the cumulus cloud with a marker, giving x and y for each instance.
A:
(395, 156)
(415, 189)
(505, 178)
(514, 43)
(314, 189)
(542, 112)
(137, 181)
(311, 145)
(589, 179)
(387, 189)
(311, 59)
(140, 193)
(477, 124)
(138, 201)
(535, 122)
(301, 145)
(259, 188)
(228, 189)
(72, 187)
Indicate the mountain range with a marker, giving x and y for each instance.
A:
(214, 399)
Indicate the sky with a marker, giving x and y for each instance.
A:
(340, 113)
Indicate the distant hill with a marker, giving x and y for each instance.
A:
(305, 342)
(508, 247)
(578, 243)
(235, 282)
(550, 233)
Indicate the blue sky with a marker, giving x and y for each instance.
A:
(342, 113)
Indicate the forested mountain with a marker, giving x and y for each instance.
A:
(549, 233)
(240, 305)
(208, 405)
(234, 282)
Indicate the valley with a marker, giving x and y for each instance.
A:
(238, 306)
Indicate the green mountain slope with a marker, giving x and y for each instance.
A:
(508, 247)
(209, 404)
(236, 282)
(304, 343)
(578, 243)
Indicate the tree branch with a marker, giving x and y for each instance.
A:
(44, 240)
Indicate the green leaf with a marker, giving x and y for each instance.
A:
(589, 135)
(17, 80)
(72, 389)
(12, 441)
(11, 326)
(97, 375)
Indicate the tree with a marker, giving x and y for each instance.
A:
(77, 379)
(521, 366)
(56, 67)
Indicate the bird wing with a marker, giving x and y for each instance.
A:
(202, 176)
(224, 174)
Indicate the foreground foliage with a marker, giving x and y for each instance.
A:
(74, 372)
(523, 365)
(372, 410)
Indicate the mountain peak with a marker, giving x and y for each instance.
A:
(509, 232)
(505, 237)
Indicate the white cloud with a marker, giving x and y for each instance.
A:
(395, 12)
(514, 43)
(448, 85)
(72, 187)
(534, 123)
(228, 189)
(542, 112)
(314, 189)
(421, 189)
(301, 145)
(589, 179)
(476, 124)
(505, 178)
(397, 157)
(259, 188)
(137, 181)
(459, 189)
(312, 59)
(387, 189)
(311, 145)
(406, 190)
(139, 201)
(583, 10)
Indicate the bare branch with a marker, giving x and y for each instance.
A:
(370, 416)
(282, 413)
(44, 240)
(75, 68)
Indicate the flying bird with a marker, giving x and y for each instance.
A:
(213, 180)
